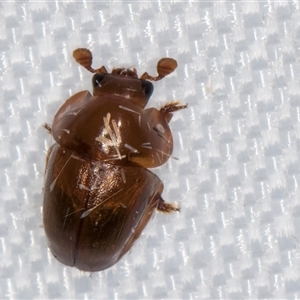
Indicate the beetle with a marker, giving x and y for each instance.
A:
(98, 193)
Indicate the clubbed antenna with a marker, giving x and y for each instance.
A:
(84, 57)
(165, 66)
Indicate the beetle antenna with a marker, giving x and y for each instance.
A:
(165, 66)
(84, 57)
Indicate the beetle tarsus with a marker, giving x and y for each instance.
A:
(47, 127)
(165, 207)
(172, 107)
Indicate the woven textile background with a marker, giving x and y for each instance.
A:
(238, 144)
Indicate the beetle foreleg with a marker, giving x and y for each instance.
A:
(172, 107)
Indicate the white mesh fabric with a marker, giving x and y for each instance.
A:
(237, 177)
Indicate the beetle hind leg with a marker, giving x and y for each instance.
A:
(165, 207)
(47, 127)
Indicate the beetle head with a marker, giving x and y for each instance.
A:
(134, 89)
(124, 82)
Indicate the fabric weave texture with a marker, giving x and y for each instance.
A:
(238, 145)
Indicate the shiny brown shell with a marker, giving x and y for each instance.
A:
(98, 194)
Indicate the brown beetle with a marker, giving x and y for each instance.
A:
(98, 194)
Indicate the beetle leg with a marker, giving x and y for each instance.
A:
(172, 107)
(166, 207)
(47, 127)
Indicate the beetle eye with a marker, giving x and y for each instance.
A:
(147, 88)
(97, 78)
